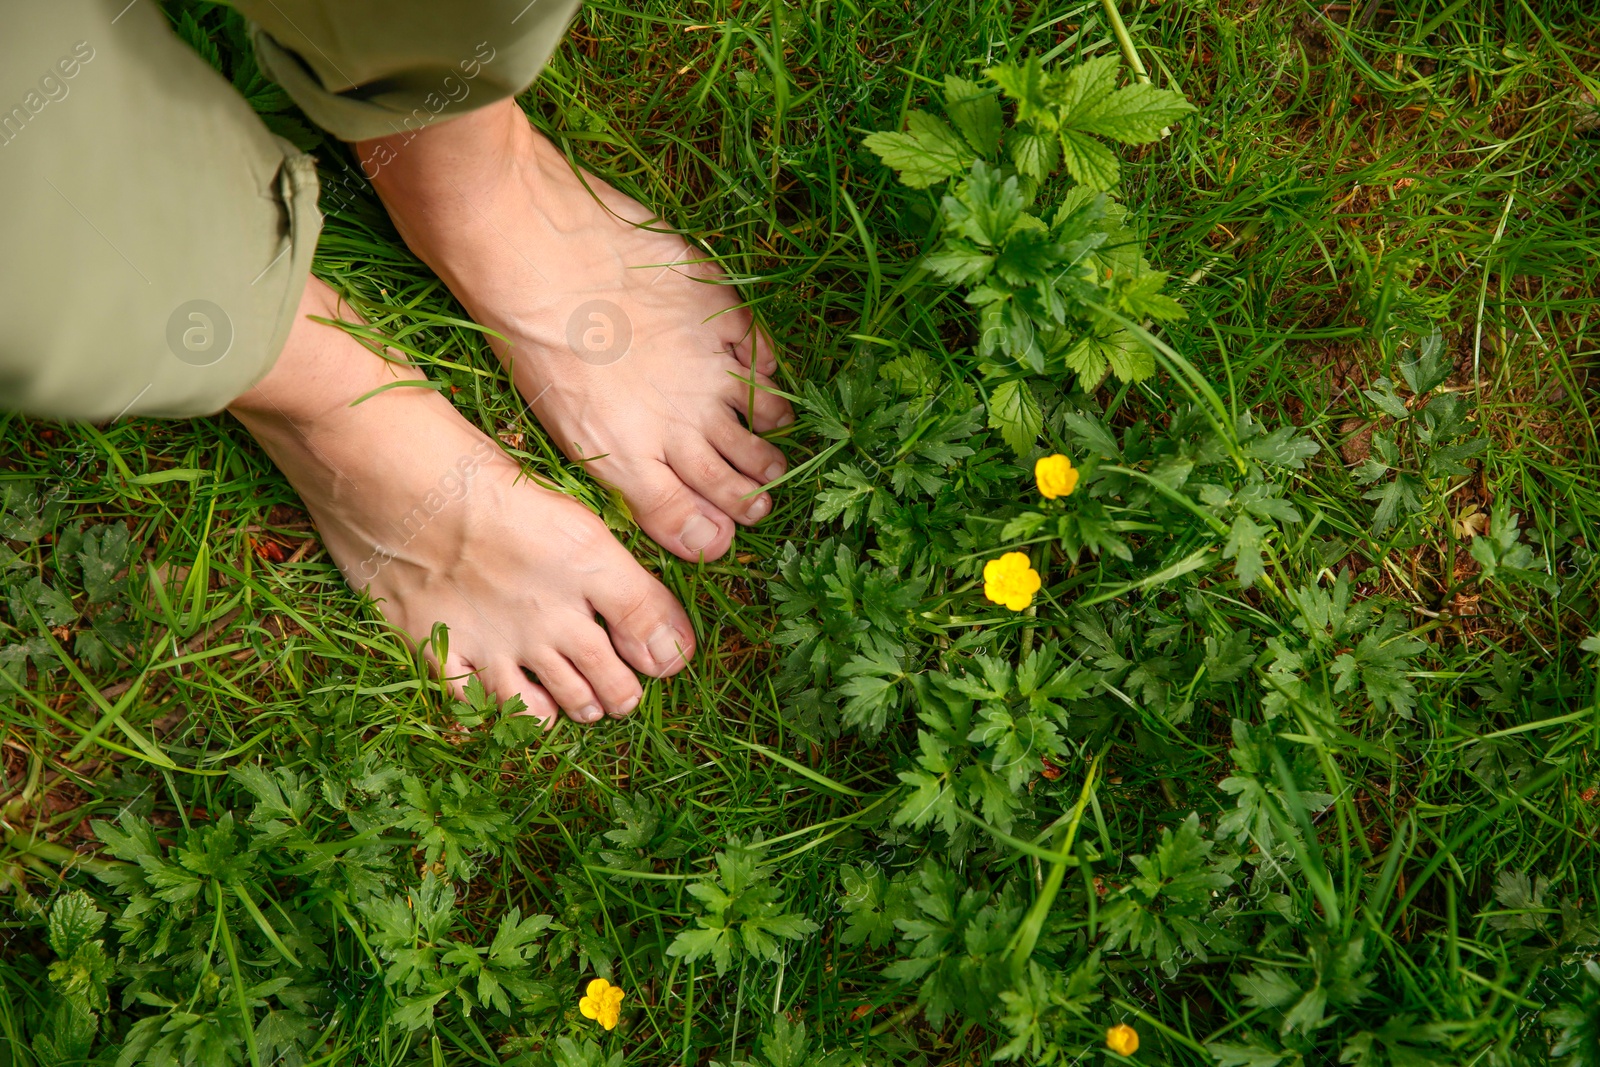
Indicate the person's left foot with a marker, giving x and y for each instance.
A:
(438, 525)
(630, 346)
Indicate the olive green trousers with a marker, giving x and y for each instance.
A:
(156, 236)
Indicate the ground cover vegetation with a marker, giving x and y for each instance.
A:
(1175, 640)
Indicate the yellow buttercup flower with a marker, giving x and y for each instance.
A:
(1010, 580)
(1056, 476)
(602, 1002)
(1122, 1039)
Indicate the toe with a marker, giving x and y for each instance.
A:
(566, 685)
(455, 673)
(505, 680)
(760, 461)
(680, 519)
(752, 396)
(587, 648)
(755, 349)
(707, 473)
(500, 680)
(644, 622)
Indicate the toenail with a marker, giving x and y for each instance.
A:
(588, 713)
(665, 646)
(759, 507)
(697, 532)
(786, 418)
(627, 706)
(774, 472)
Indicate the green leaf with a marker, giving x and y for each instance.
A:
(1382, 394)
(1088, 161)
(1506, 559)
(1284, 447)
(53, 606)
(103, 554)
(569, 1053)
(1015, 412)
(785, 1045)
(930, 799)
(1230, 1054)
(871, 904)
(416, 1012)
(848, 495)
(1130, 359)
(927, 153)
(1431, 368)
(74, 920)
(1023, 526)
(1036, 154)
(1091, 435)
(1159, 912)
(987, 208)
(1380, 661)
(640, 818)
(1577, 1022)
(975, 112)
(1267, 987)
(1133, 115)
(696, 944)
(1244, 546)
(959, 262)
(1028, 87)
(1082, 88)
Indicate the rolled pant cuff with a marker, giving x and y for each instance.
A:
(363, 70)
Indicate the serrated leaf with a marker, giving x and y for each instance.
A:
(1431, 368)
(1089, 161)
(1014, 411)
(975, 112)
(1023, 526)
(1284, 447)
(1028, 86)
(53, 607)
(927, 153)
(104, 553)
(1135, 114)
(1082, 88)
(1036, 154)
(1244, 547)
(74, 921)
(1229, 1054)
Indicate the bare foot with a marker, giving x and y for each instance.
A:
(439, 525)
(633, 357)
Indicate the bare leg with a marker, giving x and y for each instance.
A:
(421, 509)
(632, 356)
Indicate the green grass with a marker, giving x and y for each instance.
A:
(1355, 176)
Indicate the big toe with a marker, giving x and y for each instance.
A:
(680, 519)
(646, 624)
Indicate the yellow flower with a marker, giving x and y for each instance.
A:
(602, 1003)
(1056, 476)
(1009, 580)
(1122, 1039)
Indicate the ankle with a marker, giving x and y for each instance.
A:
(319, 373)
(447, 161)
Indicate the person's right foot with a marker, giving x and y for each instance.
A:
(630, 345)
(419, 508)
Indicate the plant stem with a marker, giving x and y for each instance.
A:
(1129, 53)
(59, 855)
